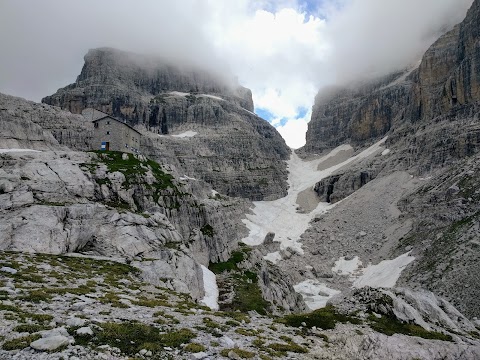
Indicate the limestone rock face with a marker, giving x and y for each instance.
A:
(357, 114)
(234, 150)
(68, 202)
(337, 187)
(445, 213)
(422, 308)
(129, 77)
(159, 218)
(430, 113)
(26, 124)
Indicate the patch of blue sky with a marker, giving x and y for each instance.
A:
(301, 113)
(321, 8)
(311, 6)
(265, 114)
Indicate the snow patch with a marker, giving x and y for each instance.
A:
(211, 97)
(385, 274)
(185, 177)
(178, 93)
(404, 76)
(315, 294)
(2, 151)
(250, 112)
(186, 134)
(347, 267)
(281, 216)
(386, 152)
(273, 257)
(211, 289)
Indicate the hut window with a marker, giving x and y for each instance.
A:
(108, 132)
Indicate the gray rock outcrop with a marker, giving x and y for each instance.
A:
(26, 124)
(63, 202)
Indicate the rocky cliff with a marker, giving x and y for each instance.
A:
(429, 112)
(54, 200)
(437, 98)
(117, 82)
(418, 195)
(235, 151)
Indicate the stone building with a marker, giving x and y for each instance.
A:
(111, 134)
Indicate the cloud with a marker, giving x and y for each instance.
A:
(293, 129)
(374, 37)
(283, 50)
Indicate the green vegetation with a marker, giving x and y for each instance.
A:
(152, 302)
(194, 348)
(113, 299)
(243, 354)
(248, 295)
(177, 338)
(131, 337)
(288, 347)
(389, 325)
(41, 318)
(207, 230)
(325, 318)
(245, 332)
(20, 343)
(30, 328)
(236, 315)
(230, 264)
(3, 295)
(209, 323)
(132, 167)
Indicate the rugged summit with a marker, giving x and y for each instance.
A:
(234, 150)
(117, 82)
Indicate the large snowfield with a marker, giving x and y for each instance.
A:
(2, 151)
(284, 218)
(281, 216)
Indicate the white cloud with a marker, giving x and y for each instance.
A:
(377, 36)
(294, 129)
(274, 47)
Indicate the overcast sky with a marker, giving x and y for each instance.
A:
(283, 50)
